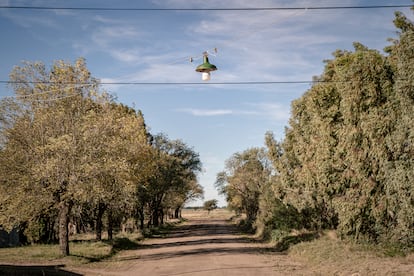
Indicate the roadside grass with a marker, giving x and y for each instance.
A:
(32, 253)
(80, 252)
(161, 231)
(329, 255)
(323, 253)
(84, 248)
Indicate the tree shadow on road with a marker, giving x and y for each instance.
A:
(198, 251)
(34, 270)
(200, 242)
(201, 238)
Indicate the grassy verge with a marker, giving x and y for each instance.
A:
(80, 252)
(83, 248)
(330, 256)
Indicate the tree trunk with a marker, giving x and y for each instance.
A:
(110, 225)
(98, 229)
(155, 219)
(64, 210)
(162, 216)
(141, 219)
(177, 213)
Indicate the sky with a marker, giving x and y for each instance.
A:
(216, 118)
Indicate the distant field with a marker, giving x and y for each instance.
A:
(200, 213)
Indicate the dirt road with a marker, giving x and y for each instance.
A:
(201, 247)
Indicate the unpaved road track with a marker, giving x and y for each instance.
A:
(200, 247)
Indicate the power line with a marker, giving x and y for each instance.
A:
(206, 9)
(173, 83)
(183, 83)
(159, 83)
(47, 91)
(209, 83)
(33, 95)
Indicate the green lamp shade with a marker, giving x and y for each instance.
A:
(206, 67)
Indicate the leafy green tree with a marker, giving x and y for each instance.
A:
(65, 146)
(210, 205)
(53, 104)
(365, 96)
(274, 213)
(347, 157)
(396, 212)
(243, 180)
(115, 144)
(69, 146)
(172, 179)
(46, 137)
(175, 201)
(186, 166)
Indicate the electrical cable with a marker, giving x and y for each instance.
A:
(47, 91)
(28, 96)
(174, 83)
(206, 9)
(190, 83)
(162, 84)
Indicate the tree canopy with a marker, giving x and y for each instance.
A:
(70, 153)
(347, 159)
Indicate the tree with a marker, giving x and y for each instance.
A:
(69, 151)
(306, 159)
(67, 145)
(347, 158)
(45, 136)
(210, 205)
(243, 180)
(115, 146)
(274, 213)
(397, 213)
(172, 179)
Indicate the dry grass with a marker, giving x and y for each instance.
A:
(200, 213)
(81, 252)
(83, 249)
(331, 256)
(32, 253)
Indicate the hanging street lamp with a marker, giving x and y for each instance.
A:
(205, 68)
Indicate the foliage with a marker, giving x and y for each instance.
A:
(70, 153)
(172, 180)
(243, 180)
(210, 205)
(347, 159)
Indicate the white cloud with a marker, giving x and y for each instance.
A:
(272, 111)
(129, 55)
(108, 20)
(30, 21)
(206, 112)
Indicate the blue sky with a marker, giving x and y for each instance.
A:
(217, 120)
